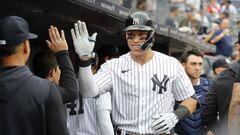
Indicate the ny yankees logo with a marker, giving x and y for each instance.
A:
(161, 85)
(136, 20)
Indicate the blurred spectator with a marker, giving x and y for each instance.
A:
(224, 15)
(180, 4)
(195, 4)
(141, 5)
(228, 7)
(146, 5)
(210, 32)
(238, 24)
(202, 17)
(190, 21)
(236, 55)
(220, 65)
(171, 19)
(214, 9)
(223, 40)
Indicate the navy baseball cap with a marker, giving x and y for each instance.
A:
(220, 62)
(14, 30)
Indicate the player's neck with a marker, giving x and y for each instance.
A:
(195, 81)
(143, 59)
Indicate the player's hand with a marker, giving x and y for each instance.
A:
(57, 42)
(82, 42)
(164, 123)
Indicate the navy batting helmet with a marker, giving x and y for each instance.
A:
(141, 21)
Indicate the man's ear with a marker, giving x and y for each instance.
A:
(184, 65)
(51, 73)
(26, 47)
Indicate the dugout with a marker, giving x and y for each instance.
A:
(101, 16)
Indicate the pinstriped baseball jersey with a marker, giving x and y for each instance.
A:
(81, 116)
(142, 91)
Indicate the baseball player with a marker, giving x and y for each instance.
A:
(144, 83)
(90, 116)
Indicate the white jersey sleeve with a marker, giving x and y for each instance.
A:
(103, 102)
(87, 84)
(182, 86)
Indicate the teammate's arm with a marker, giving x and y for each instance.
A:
(68, 83)
(55, 116)
(234, 108)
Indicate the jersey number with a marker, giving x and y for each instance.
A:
(73, 106)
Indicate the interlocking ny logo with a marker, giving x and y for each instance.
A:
(161, 85)
(136, 21)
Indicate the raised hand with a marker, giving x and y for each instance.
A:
(57, 42)
(83, 44)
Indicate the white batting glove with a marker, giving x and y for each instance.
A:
(82, 42)
(164, 123)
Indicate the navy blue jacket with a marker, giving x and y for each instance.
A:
(29, 105)
(193, 125)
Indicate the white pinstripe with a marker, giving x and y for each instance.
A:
(86, 123)
(134, 101)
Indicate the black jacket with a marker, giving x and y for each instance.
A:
(217, 100)
(29, 105)
(68, 82)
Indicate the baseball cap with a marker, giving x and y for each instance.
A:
(14, 30)
(220, 62)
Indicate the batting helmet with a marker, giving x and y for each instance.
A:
(140, 21)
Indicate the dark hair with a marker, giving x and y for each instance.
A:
(226, 14)
(109, 51)
(7, 50)
(43, 62)
(173, 8)
(187, 53)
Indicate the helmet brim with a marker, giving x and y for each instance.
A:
(138, 27)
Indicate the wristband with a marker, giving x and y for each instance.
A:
(182, 112)
(85, 63)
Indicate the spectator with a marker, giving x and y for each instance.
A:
(227, 6)
(214, 9)
(223, 40)
(171, 19)
(190, 21)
